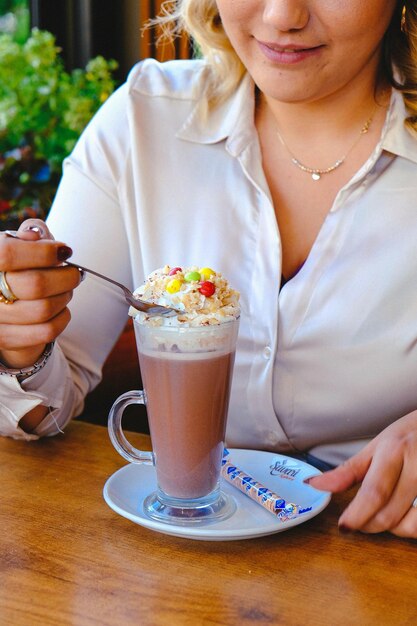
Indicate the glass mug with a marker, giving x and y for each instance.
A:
(187, 375)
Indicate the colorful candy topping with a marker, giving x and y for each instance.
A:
(174, 271)
(201, 295)
(191, 277)
(207, 288)
(174, 285)
(206, 273)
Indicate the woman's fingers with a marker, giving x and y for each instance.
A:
(34, 229)
(376, 493)
(31, 263)
(387, 469)
(19, 254)
(34, 311)
(408, 525)
(15, 337)
(395, 473)
(343, 476)
(36, 284)
(40, 313)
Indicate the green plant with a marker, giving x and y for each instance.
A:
(43, 110)
(15, 18)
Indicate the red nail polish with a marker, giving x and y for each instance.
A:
(345, 529)
(63, 253)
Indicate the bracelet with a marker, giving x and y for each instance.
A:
(24, 372)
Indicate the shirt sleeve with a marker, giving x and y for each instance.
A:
(51, 387)
(14, 404)
(86, 216)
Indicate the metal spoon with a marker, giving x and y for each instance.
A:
(149, 308)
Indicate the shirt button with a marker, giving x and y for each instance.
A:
(267, 352)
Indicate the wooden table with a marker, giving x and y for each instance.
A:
(67, 559)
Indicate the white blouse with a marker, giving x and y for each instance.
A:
(323, 365)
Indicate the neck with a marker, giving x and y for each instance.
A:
(338, 113)
(319, 136)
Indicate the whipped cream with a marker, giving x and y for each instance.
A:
(202, 296)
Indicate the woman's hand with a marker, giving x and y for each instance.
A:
(387, 469)
(43, 288)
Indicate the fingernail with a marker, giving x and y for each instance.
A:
(31, 228)
(307, 480)
(34, 229)
(63, 253)
(345, 530)
(83, 274)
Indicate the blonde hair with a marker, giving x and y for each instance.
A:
(400, 52)
(201, 21)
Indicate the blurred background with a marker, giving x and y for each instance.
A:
(87, 28)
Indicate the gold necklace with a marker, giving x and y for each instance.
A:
(316, 172)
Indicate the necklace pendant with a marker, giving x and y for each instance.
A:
(317, 173)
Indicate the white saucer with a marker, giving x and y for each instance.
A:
(126, 489)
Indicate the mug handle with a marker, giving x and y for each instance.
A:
(117, 437)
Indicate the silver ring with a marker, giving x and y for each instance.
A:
(6, 294)
(414, 505)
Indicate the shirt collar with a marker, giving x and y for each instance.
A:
(396, 138)
(232, 120)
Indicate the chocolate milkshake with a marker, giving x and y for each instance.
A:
(187, 402)
(186, 362)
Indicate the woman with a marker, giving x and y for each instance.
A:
(287, 160)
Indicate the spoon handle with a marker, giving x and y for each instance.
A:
(125, 290)
(148, 307)
(141, 305)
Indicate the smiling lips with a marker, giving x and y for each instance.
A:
(289, 54)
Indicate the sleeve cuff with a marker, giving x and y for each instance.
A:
(18, 404)
(49, 387)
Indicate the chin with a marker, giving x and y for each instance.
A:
(287, 96)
